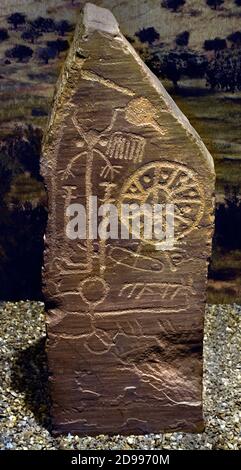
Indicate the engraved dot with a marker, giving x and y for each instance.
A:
(184, 178)
(147, 179)
(155, 267)
(80, 143)
(103, 142)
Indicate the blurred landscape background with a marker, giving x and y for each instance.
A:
(194, 47)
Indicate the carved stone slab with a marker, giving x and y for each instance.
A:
(124, 320)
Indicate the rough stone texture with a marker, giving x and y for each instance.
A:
(25, 422)
(125, 321)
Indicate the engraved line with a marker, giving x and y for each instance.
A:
(188, 201)
(93, 77)
(159, 310)
(127, 147)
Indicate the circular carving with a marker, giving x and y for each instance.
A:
(166, 183)
(94, 290)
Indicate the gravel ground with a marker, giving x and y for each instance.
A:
(24, 419)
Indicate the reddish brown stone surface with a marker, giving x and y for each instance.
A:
(124, 320)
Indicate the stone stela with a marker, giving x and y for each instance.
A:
(124, 320)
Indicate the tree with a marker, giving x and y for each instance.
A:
(23, 216)
(60, 45)
(235, 38)
(173, 5)
(224, 71)
(39, 112)
(30, 35)
(63, 27)
(19, 152)
(171, 69)
(182, 39)
(44, 25)
(148, 35)
(9, 168)
(46, 54)
(228, 221)
(3, 34)
(16, 19)
(19, 52)
(23, 150)
(216, 44)
(214, 4)
(174, 65)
